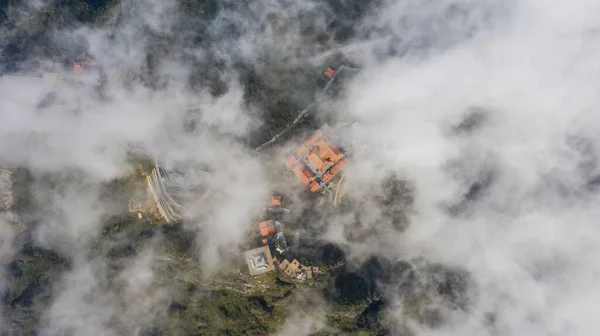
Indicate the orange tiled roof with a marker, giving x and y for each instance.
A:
(323, 158)
(329, 72)
(314, 186)
(315, 160)
(303, 174)
(267, 229)
(334, 170)
(78, 67)
(275, 200)
(323, 155)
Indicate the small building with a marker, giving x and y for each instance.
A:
(275, 200)
(280, 242)
(259, 260)
(319, 159)
(329, 72)
(267, 230)
(297, 271)
(78, 67)
(275, 208)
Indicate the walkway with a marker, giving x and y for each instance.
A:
(321, 96)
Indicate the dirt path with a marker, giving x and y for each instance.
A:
(339, 192)
(306, 110)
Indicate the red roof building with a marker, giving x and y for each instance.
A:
(275, 200)
(267, 230)
(329, 72)
(78, 67)
(319, 159)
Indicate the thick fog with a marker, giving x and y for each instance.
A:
(508, 111)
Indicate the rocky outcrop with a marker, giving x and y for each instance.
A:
(6, 201)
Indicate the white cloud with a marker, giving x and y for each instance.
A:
(529, 238)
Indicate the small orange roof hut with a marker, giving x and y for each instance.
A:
(78, 67)
(329, 72)
(267, 230)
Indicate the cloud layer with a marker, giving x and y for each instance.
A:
(509, 199)
(485, 109)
